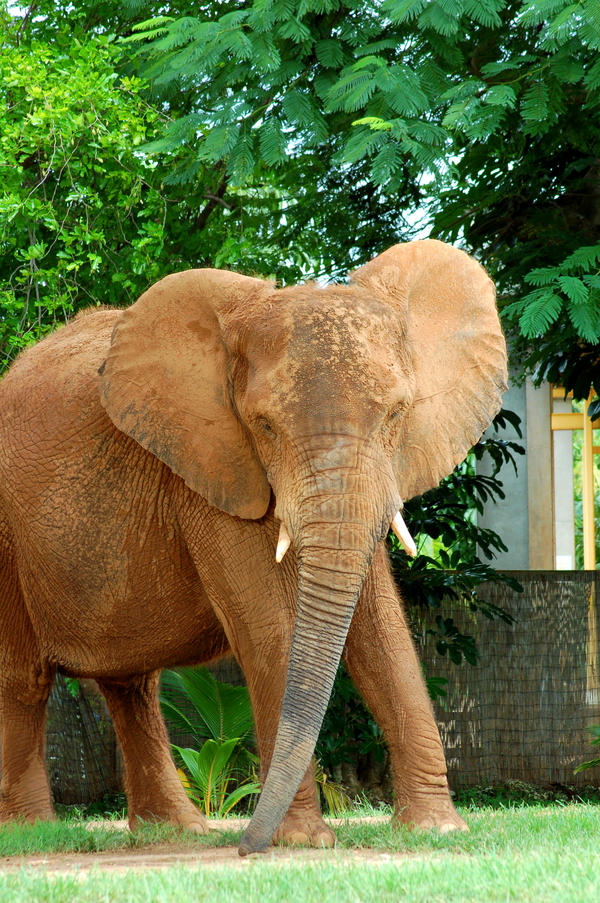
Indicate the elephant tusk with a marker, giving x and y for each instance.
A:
(401, 531)
(283, 543)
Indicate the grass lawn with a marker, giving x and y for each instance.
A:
(544, 853)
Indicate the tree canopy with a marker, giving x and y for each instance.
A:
(316, 133)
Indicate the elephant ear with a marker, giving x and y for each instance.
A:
(165, 383)
(446, 303)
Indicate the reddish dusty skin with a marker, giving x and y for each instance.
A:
(140, 508)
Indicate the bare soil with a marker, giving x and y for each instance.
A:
(166, 855)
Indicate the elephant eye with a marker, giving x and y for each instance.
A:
(266, 427)
(397, 412)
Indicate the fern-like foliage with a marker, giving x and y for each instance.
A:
(573, 286)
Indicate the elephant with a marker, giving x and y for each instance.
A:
(214, 470)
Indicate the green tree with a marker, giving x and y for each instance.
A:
(81, 218)
(524, 185)
(488, 109)
(85, 216)
(321, 122)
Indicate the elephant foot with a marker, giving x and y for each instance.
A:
(188, 819)
(13, 812)
(304, 829)
(425, 814)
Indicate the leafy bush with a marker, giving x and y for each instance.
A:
(212, 772)
(221, 771)
(594, 730)
(519, 793)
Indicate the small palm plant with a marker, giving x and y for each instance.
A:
(221, 770)
(594, 730)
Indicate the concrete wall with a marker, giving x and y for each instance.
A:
(524, 518)
(509, 516)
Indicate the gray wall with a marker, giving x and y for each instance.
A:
(509, 517)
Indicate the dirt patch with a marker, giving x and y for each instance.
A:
(167, 855)
(204, 857)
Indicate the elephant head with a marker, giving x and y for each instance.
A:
(343, 401)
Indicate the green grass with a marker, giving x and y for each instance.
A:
(71, 836)
(544, 853)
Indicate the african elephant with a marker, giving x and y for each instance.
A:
(154, 463)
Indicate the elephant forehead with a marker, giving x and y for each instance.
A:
(335, 351)
(350, 345)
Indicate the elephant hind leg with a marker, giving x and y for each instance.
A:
(25, 684)
(154, 791)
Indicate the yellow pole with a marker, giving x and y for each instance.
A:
(587, 454)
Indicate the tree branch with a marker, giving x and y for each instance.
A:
(214, 199)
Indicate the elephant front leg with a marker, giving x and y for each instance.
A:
(303, 824)
(383, 664)
(262, 649)
(266, 669)
(154, 791)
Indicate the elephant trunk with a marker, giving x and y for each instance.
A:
(334, 550)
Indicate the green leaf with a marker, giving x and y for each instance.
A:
(273, 143)
(403, 10)
(566, 67)
(232, 799)
(295, 30)
(218, 143)
(375, 47)
(318, 6)
(582, 259)
(589, 32)
(592, 763)
(540, 310)
(361, 144)
(586, 320)
(265, 53)
(211, 770)
(534, 103)
(375, 123)
(487, 12)
(535, 12)
(455, 114)
(156, 22)
(443, 20)
(592, 77)
(298, 108)
(223, 711)
(542, 276)
(329, 53)
(556, 26)
(427, 132)
(176, 718)
(402, 90)
(574, 289)
(501, 95)
(483, 121)
(375, 62)
(352, 91)
(386, 162)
